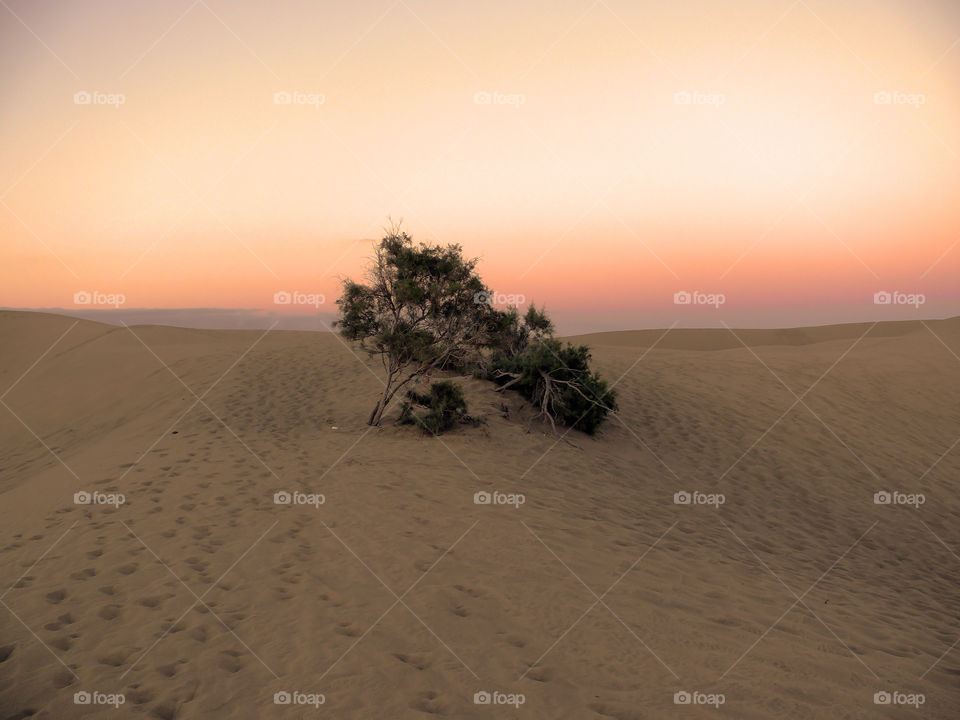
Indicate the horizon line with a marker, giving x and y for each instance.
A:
(108, 312)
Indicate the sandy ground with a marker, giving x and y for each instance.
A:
(399, 597)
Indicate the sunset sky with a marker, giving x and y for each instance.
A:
(795, 157)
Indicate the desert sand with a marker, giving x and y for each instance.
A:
(399, 597)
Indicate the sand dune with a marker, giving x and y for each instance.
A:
(598, 597)
(723, 339)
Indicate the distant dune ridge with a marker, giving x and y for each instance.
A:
(801, 594)
(201, 318)
(566, 323)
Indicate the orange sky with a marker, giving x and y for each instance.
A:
(599, 157)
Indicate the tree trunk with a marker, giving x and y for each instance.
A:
(377, 413)
(384, 402)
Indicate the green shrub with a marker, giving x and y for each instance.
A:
(445, 404)
(557, 379)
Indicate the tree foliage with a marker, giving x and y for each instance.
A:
(424, 308)
(556, 378)
(445, 404)
(418, 311)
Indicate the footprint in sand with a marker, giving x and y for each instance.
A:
(460, 611)
(516, 641)
(347, 629)
(65, 619)
(113, 659)
(418, 661)
(168, 627)
(56, 597)
(63, 643)
(83, 574)
(63, 679)
(165, 711)
(6, 651)
(170, 670)
(540, 674)
(139, 696)
(231, 661)
(469, 591)
(430, 702)
(153, 601)
(197, 565)
(110, 612)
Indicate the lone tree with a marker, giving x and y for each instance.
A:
(425, 308)
(422, 308)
